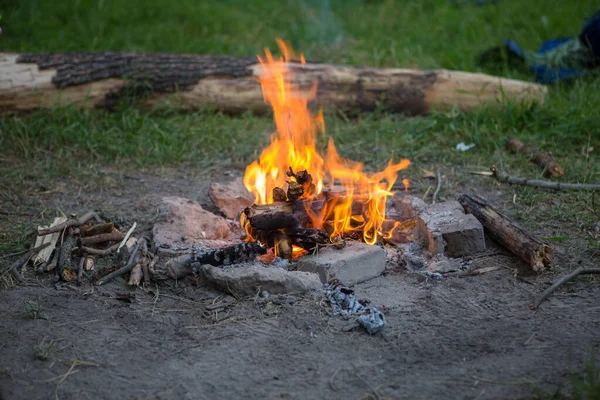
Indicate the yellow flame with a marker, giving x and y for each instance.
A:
(294, 144)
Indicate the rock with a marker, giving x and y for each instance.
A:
(356, 262)
(252, 278)
(442, 265)
(182, 223)
(230, 198)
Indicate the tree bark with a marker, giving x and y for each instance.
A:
(505, 231)
(229, 84)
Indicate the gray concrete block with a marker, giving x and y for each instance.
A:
(252, 277)
(446, 229)
(356, 262)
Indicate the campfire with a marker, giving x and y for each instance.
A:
(304, 197)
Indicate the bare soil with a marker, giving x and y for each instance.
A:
(456, 338)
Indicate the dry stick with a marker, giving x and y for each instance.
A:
(133, 260)
(146, 273)
(99, 252)
(543, 184)
(438, 187)
(107, 227)
(126, 238)
(102, 238)
(562, 281)
(14, 267)
(72, 222)
(543, 159)
(80, 268)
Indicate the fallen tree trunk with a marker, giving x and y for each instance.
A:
(229, 84)
(515, 239)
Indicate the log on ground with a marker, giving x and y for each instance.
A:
(537, 254)
(229, 84)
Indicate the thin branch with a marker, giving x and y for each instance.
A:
(102, 238)
(562, 281)
(71, 222)
(133, 260)
(99, 252)
(14, 267)
(126, 238)
(438, 187)
(543, 184)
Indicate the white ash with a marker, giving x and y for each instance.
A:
(345, 303)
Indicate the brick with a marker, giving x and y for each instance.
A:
(356, 262)
(446, 229)
(404, 206)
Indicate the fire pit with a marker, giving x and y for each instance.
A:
(320, 212)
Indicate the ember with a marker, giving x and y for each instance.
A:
(305, 199)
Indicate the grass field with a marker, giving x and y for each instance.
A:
(424, 34)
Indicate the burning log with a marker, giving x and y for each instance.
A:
(229, 84)
(543, 159)
(537, 254)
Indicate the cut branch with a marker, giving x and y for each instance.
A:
(562, 281)
(97, 229)
(230, 84)
(69, 223)
(15, 266)
(543, 184)
(99, 252)
(140, 247)
(543, 159)
(102, 238)
(505, 231)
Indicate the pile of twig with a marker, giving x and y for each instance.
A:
(69, 247)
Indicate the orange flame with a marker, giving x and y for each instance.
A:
(294, 144)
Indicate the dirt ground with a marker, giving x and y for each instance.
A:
(456, 338)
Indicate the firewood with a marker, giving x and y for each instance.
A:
(102, 238)
(99, 252)
(140, 249)
(136, 275)
(97, 229)
(15, 266)
(309, 238)
(282, 245)
(66, 270)
(70, 223)
(279, 194)
(537, 254)
(543, 159)
(44, 255)
(216, 257)
(230, 84)
(295, 191)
